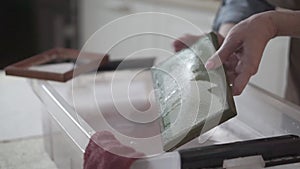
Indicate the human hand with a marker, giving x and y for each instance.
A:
(242, 50)
(104, 151)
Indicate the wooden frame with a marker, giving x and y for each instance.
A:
(91, 62)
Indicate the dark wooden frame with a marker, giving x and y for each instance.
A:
(22, 68)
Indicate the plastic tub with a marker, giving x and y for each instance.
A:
(260, 114)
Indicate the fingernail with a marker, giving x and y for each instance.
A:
(209, 65)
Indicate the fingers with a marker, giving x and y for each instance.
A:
(240, 83)
(231, 76)
(233, 56)
(231, 44)
(231, 63)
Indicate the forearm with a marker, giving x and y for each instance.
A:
(286, 23)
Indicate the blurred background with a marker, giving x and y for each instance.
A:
(32, 26)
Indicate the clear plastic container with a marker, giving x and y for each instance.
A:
(73, 116)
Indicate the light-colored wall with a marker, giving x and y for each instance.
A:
(272, 71)
(97, 13)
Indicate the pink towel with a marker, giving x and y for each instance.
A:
(104, 151)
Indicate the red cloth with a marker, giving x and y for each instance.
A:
(104, 151)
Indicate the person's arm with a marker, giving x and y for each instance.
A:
(286, 23)
(247, 40)
(230, 13)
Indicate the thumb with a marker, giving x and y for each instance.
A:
(229, 46)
